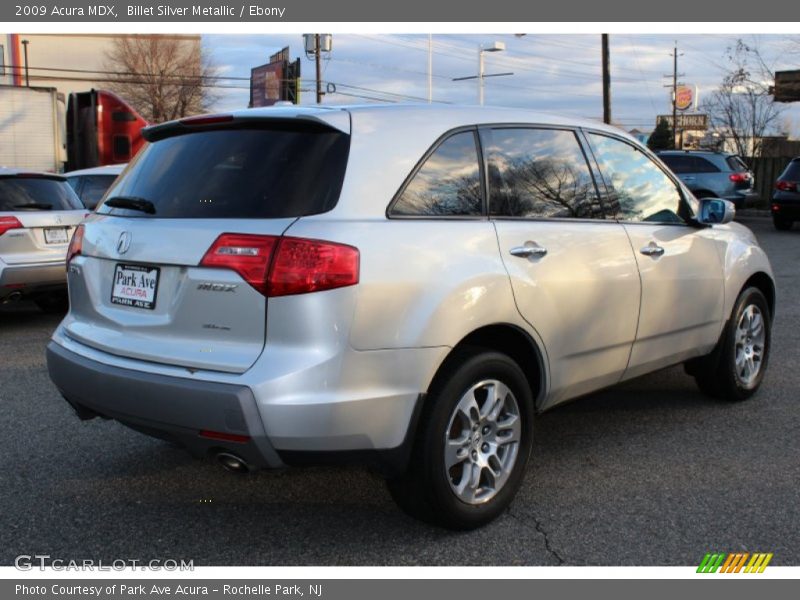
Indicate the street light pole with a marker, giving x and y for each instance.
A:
(480, 75)
(430, 68)
(493, 47)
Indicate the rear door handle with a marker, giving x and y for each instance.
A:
(529, 250)
(652, 249)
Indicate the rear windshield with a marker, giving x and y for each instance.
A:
(792, 172)
(737, 164)
(274, 172)
(94, 186)
(36, 193)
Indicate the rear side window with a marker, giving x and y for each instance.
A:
(277, 171)
(36, 193)
(701, 165)
(448, 184)
(539, 173)
(792, 172)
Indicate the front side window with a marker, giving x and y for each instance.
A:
(539, 173)
(638, 189)
(448, 184)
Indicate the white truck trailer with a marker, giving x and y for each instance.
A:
(32, 128)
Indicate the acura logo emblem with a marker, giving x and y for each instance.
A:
(124, 242)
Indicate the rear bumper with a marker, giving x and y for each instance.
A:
(786, 208)
(30, 279)
(745, 198)
(163, 406)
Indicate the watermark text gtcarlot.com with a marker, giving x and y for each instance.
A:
(29, 562)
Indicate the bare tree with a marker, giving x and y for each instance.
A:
(742, 107)
(163, 77)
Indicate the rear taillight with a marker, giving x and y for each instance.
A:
(8, 223)
(248, 255)
(283, 266)
(303, 266)
(75, 244)
(739, 177)
(786, 186)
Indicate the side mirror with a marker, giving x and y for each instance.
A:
(715, 211)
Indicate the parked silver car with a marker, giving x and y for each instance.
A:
(402, 286)
(38, 214)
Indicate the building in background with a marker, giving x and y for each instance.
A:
(67, 62)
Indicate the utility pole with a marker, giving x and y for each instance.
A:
(27, 79)
(606, 81)
(675, 93)
(315, 44)
(674, 85)
(318, 59)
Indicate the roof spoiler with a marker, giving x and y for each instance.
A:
(338, 120)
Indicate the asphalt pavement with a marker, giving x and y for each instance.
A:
(650, 472)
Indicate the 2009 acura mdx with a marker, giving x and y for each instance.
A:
(405, 286)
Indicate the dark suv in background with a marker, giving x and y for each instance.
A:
(785, 205)
(713, 175)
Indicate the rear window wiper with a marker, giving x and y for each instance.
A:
(132, 202)
(34, 206)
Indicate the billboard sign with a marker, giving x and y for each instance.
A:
(787, 86)
(690, 122)
(265, 84)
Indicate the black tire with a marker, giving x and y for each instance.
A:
(424, 491)
(53, 304)
(782, 224)
(717, 374)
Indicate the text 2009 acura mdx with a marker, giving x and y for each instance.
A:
(405, 286)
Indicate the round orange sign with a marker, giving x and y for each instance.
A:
(684, 97)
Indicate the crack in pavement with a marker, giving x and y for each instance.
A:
(540, 530)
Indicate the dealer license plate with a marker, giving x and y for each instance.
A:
(135, 285)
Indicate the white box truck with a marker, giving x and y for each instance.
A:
(32, 128)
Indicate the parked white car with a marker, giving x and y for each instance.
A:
(91, 184)
(38, 214)
(404, 286)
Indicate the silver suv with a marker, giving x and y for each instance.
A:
(401, 286)
(38, 214)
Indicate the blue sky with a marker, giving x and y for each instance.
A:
(555, 73)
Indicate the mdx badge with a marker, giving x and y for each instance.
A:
(217, 287)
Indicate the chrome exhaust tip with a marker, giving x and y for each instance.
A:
(15, 296)
(231, 462)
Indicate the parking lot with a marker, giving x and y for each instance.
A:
(648, 473)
